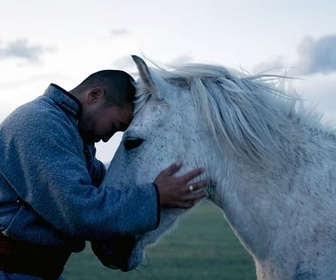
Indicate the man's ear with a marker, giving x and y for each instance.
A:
(95, 95)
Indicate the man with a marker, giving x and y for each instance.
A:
(50, 199)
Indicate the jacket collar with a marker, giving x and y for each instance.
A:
(64, 100)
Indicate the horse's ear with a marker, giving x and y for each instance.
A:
(146, 75)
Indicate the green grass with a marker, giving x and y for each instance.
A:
(202, 246)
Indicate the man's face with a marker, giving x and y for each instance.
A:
(101, 122)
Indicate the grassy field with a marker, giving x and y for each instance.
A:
(202, 246)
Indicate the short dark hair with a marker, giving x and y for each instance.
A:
(119, 86)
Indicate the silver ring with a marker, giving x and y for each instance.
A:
(191, 188)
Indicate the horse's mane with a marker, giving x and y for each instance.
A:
(251, 113)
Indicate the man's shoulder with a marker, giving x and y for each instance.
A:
(40, 116)
(37, 111)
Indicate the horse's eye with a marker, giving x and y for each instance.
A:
(132, 143)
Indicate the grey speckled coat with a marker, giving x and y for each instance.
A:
(49, 179)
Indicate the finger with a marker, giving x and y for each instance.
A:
(173, 168)
(199, 195)
(199, 185)
(186, 204)
(195, 195)
(192, 174)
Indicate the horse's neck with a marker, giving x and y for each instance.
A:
(258, 200)
(245, 198)
(248, 193)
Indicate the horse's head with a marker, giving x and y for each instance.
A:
(165, 128)
(204, 115)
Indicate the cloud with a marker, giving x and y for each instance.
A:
(315, 63)
(23, 50)
(119, 32)
(319, 91)
(317, 56)
(314, 57)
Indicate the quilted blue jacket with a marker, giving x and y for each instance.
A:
(49, 180)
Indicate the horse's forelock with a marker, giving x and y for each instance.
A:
(141, 97)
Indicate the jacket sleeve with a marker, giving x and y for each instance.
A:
(47, 169)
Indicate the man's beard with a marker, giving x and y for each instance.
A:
(86, 128)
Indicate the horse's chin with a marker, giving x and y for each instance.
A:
(138, 253)
(124, 253)
(136, 258)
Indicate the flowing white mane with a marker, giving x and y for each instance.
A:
(249, 112)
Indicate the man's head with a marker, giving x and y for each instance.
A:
(107, 99)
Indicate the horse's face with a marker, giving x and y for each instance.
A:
(162, 131)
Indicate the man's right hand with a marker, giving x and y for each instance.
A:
(175, 191)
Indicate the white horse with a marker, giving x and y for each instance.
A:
(272, 163)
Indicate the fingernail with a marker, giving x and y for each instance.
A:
(178, 162)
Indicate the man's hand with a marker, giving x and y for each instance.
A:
(175, 191)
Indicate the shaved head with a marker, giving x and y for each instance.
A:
(118, 86)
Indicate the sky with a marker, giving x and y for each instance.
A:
(64, 41)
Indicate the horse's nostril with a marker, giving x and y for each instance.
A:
(132, 143)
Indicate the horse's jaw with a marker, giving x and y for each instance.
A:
(169, 217)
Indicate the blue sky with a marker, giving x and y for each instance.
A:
(64, 41)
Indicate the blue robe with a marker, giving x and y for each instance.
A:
(49, 180)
